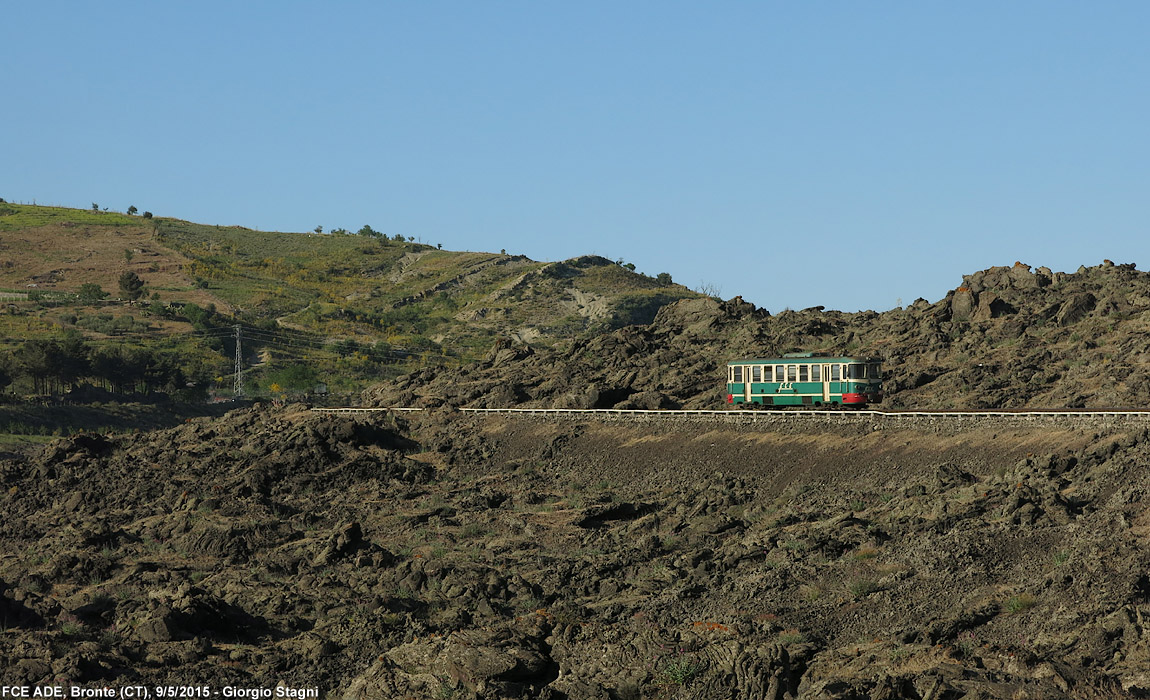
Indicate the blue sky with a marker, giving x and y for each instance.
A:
(848, 154)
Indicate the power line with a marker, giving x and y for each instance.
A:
(238, 384)
(284, 338)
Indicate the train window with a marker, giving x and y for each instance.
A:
(816, 373)
(780, 373)
(792, 372)
(738, 374)
(756, 374)
(835, 374)
(875, 371)
(804, 373)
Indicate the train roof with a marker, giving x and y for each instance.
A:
(804, 358)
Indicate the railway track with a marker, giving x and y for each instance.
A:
(736, 415)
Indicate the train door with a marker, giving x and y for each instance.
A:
(747, 385)
(826, 376)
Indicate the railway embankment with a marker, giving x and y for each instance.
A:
(448, 554)
(753, 445)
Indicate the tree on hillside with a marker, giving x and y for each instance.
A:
(200, 318)
(131, 286)
(147, 215)
(91, 292)
(35, 359)
(132, 210)
(7, 371)
(663, 278)
(73, 359)
(53, 364)
(369, 231)
(109, 367)
(297, 377)
(346, 347)
(133, 369)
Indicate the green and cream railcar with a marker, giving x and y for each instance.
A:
(805, 379)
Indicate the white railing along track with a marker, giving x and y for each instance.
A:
(609, 413)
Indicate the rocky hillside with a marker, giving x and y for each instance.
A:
(1005, 337)
(444, 556)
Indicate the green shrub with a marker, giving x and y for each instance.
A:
(471, 531)
(861, 587)
(682, 670)
(1020, 603)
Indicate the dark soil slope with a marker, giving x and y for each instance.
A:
(443, 555)
(1006, 337)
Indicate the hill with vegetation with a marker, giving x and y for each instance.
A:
(157, 302)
